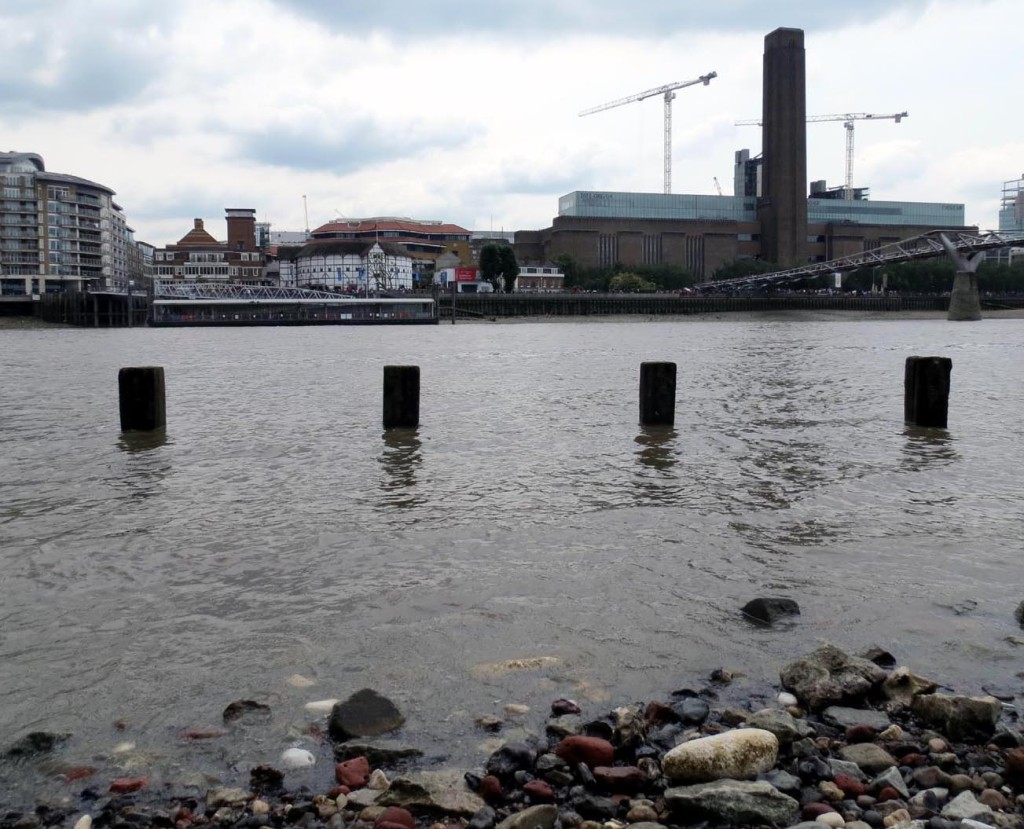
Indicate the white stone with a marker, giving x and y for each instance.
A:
(297, 758)
(785, 698)
(123, 748)
(965, 806)
(300, 681)
(84, 822)
(259, 807)
(378, 781)
(514, 709)
(833, 819)
(321, 706)
(740, 754)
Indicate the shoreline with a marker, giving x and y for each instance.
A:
(34, 324)
(841, 741)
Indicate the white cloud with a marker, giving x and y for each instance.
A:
(475, 121)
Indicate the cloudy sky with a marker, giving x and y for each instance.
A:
(467, 110)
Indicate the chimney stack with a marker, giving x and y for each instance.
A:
(783, 205)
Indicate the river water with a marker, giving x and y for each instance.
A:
(276, 531)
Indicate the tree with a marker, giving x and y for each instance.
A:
(631, 283)
(509, 267)
(490, 264)
(739, 268)
(666, 277)
(570, 268)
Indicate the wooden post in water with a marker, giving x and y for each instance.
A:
(926, 390)
(143, 398)
(401, 397)
(657, 394)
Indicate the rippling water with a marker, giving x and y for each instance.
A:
(277, 531)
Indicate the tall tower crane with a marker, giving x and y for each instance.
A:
(669, 91)
(847, 118)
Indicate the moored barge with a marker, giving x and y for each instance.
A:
(196, 304)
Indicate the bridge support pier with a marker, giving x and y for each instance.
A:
(964, 302)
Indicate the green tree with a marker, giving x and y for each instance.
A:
(571, 268)
(509, 267)
(739, 268)
(490, 264)
(666, 277)
(497, 264)
(631, 283)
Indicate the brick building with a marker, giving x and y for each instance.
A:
(199, 256)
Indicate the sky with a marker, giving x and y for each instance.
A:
(467, 111)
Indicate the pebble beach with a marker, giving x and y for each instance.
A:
(842, 741)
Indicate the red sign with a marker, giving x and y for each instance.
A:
(465, 274)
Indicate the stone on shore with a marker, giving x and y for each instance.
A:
(767, 611)
(592, 751)
(902, 686)
(246, 711)
(850, 717)
(297, 758)
(364, 714)
(966, 806)
(510, 758)
(395, 817)
(36, 742)
(869, 757)
(321, 706)
(379, 752)
(126, 785)
(780, 723)
(961, 719)
(740, 754)
(442, 791)
(533, 817)
(353, 773)
(828, 676)
(732, 802)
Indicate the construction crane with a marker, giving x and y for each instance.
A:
(669, 92)
(718, 186)
(847, 118)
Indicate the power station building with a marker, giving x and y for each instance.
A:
(771, 216)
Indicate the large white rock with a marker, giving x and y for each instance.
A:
(740, 754)
(297, 758)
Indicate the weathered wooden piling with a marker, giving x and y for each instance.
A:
(657, 394)
(926, 390)
(401, 397)
(143, 400)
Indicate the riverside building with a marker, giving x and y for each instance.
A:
(60, 232)
(770, 216)
(198, 256)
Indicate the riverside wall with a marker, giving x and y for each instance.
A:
(544, 305)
